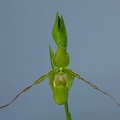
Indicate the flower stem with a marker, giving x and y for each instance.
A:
(68, 115)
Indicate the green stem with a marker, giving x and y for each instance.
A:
(68, 115)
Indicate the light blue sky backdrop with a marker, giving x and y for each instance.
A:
(93, 29)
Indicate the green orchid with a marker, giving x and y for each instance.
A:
(60, 77)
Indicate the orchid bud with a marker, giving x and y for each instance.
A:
(59, 32)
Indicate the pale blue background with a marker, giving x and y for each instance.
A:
(93, 29)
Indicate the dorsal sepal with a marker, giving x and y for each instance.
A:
(61, 58)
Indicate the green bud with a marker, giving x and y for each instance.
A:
(59, 32)
(60, 94)
(61, 58)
